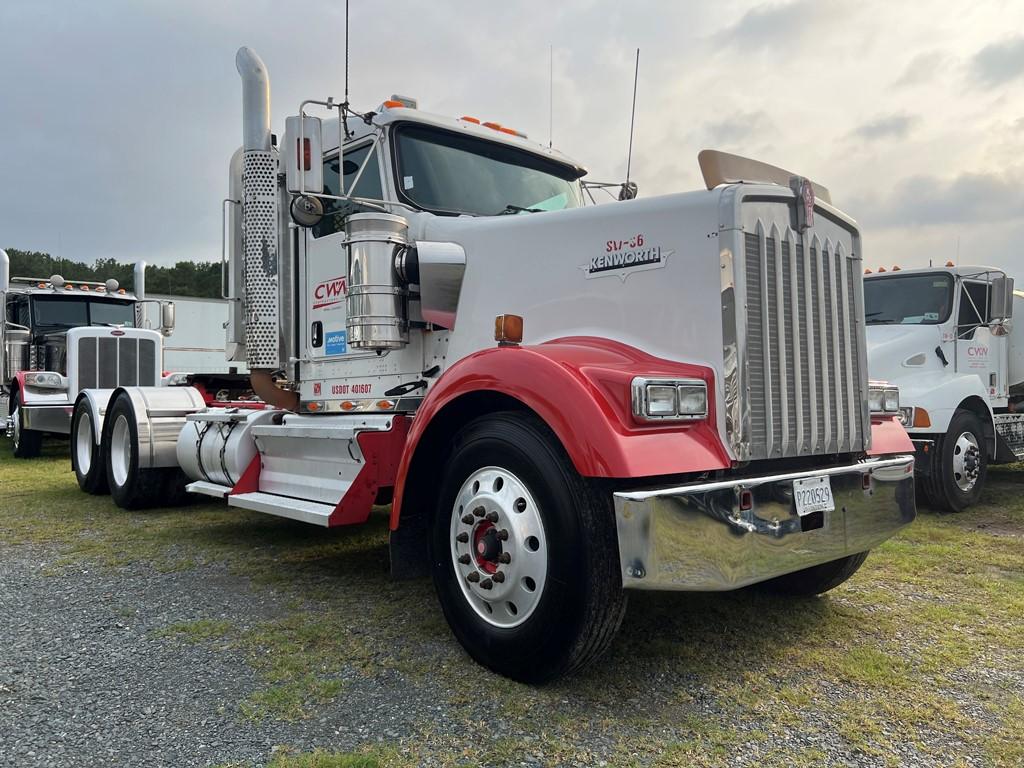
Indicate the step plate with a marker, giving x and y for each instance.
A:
(284, 506)
(208, 489)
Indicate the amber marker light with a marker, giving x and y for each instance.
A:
(468, 119)
(508, 330)
(392, 104)
(385, 405)
(921, 418)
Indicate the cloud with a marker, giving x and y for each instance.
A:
(928, 200)
(778, 24)
(740, 127)
(999, 63)
(889, 127)
(923, 68)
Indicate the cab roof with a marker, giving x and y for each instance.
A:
(388, 115)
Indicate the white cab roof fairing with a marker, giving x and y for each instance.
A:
(401, 114)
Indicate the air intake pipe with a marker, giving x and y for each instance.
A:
(259, 228)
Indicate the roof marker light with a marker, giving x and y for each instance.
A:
(881, 269)
(895, 268)
(493, 126)
(950, 264)
(393, 104)
(867, 271)
(468, 119)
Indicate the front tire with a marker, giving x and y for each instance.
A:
(130, 486)
(961, 466)
(524, 552)
(25, 443)
(87, 459)
(816, 579)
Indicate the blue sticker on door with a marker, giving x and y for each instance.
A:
(337, 343)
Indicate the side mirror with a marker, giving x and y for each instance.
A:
(1002, 298)
(628, 191)
(304, 155)
(5, 272)
(166, 317)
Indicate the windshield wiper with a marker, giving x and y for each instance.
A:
(518, 209)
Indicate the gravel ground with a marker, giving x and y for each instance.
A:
(140, 640)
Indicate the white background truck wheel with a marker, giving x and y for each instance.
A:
(524, 552)
(130, 486)
(87, 459)
(960, 466)
(26, 443)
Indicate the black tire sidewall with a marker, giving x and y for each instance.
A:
(95, 480)
(124, 495)
(538, 648)
(29, 444)
(956, 499)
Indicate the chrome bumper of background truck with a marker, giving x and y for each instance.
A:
(696, 537)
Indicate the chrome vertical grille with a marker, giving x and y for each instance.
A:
(106, 362)
(803, 385)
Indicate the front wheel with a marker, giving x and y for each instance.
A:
(524, 552)
(26, 443)
(87, 459)
(960, 466)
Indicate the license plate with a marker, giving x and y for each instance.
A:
(813, 494)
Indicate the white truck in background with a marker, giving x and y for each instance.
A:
(945, 336)
(59, 336)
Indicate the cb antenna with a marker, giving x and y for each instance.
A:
(344, 105)
(628, 191)
(551, 94)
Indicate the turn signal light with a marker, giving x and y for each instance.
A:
(508, 329)
(921, 418)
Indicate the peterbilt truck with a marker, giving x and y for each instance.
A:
(562, 402)
(59, 336)
(945, 336)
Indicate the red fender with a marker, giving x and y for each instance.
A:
(580, 387)
(888, 436)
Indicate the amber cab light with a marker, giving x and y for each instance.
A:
(468, 119)
(392, 104)
(508, 329)
(921, 418)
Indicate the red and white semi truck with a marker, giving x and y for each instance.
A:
(564, 402)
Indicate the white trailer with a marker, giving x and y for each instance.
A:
(197, 345)
(946, 337)
(564, 402)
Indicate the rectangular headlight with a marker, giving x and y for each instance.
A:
(45, 380)
(669, 399)
(883, 398)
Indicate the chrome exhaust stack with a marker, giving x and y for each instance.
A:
(260, 217)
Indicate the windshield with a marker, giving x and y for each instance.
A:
(63, 312)
(908, 299)
(447, 172)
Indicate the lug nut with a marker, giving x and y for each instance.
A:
(486, 584)
(464, 559)
(499, 577)
(467, 519)
(473, 577)
(462, 538)
(492, 517)
(505, 558)
(503, 535)
(479, 511)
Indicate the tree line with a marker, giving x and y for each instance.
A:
(185, 278)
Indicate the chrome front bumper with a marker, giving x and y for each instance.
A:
(696, 537)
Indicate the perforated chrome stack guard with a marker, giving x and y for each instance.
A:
(696, 537)
(259, 233)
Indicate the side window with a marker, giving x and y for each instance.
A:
(369, 186)
(974, 308)
(17, 310)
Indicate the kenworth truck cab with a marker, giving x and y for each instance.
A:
(945, 336)
(60, 336)
(563, 402)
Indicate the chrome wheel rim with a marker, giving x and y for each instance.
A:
(120, 450)
(16, 427)
(498, 547)
(966, 461)
(83, 443)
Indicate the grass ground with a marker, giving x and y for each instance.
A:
(920, 657)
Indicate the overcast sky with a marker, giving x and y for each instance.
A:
(119, 118)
